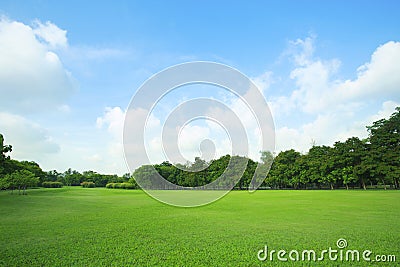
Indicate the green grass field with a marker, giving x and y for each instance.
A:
(103, 227)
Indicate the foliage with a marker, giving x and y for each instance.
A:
(124, 185)
(88, 184)
(50, 184)
(384, 137)
(19, 180)
(4, 149)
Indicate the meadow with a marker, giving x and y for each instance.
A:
(74, 226)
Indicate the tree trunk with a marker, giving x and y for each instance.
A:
(331, 186)
(347, 187)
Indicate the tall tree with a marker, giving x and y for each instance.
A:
(384, 137)
(4, 149)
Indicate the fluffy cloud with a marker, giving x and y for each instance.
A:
(113, 119)
(377, 78)
(317, 91)
(29, 140)
(263, 81)
(33, 81)
(32, 77)
(329, 128)
(330, 109)
(51, 34)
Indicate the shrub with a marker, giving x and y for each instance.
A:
(88, 184)
(120, 186)
(129, 186)
(49, 184)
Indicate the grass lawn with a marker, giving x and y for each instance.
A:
(74, 226)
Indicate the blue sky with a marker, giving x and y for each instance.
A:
(68, 70)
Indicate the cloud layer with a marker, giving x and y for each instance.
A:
(32, 81)
(333, 109)
(32, 77)
(29, 140)
(310, 104)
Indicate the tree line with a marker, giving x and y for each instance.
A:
(354, 163)
(19, 175)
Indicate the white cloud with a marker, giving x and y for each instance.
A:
(323, 109)
(377, 78)
(388, 108)
(29, 140)
(329, 128)
(51, 34)
(302, 50)
(317, 91)
(263, 81)
(32, 77)
(313, 85)
(113, 119)
(189, 140)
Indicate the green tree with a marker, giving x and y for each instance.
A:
(261, 170)
(4, 159)
(384, 137)
(21, 180)
(318, 163)
(53, 176)
(283, 169)
(147, 177)
(351, 155)
(34, 168)
(4, 149)
(72, 177)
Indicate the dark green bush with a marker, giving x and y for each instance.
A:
(88, 184)
(49, 184)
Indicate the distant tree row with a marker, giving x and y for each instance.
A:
(354, 163)
(74, 178)
(19, 175)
